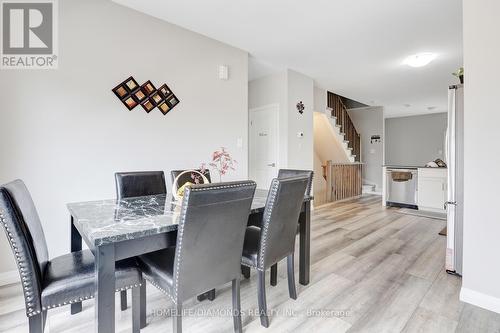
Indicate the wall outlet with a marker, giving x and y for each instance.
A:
(239, 143)
(300, 134)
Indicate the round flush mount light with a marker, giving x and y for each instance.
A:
(420, 59)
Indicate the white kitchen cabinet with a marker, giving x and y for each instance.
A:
(432, 189)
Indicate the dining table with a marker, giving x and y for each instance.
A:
(117, 229)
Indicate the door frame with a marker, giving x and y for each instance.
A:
(276, 107)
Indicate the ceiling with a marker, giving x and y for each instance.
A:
(353, 48)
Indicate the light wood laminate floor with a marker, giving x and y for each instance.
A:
(372, 270)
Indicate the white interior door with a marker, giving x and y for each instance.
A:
(263, 149)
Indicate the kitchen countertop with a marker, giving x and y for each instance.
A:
(402, 166)
(408, 167)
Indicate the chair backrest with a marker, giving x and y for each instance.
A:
(285, 173)
(24, 231)
(187, 176)
(138, 184)
(279, 224)
(210, 236)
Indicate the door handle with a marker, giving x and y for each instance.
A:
(454, 203)
(272, 165)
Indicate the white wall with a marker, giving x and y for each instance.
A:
(480, 284)
(300, 149)
(370, 121)
(415, 140)
(286, 89)
(65, 133)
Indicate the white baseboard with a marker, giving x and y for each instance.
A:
(373, 192)
(9, 278)
(479, 299)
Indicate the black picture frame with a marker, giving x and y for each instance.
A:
(164, 107)
(147, 89)
(165, 90)
(148, 105)
(120, 91)
(130, 84)
(128, 105)
(172, 100)
(139, 95)
(157, 97)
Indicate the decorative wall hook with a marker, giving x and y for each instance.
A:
(300, 107)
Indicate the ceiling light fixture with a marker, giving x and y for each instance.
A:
(420, 59)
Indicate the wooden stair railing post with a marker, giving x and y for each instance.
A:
(329, 183)
(344, 180)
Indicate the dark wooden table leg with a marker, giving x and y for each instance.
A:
(274, 275)
(76, 245)
(305, 244)
(105, 289)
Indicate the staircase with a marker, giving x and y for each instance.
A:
(349, 136)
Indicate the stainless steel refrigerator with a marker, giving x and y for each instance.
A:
(455, 161)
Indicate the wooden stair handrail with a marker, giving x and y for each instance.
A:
(339, 111)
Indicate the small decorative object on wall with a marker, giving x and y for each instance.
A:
(300, 107)
(132, 94)
(460, 74)
(375, 138)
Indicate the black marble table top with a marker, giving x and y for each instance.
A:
(108, 221)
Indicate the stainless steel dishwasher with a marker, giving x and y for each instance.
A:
(402, 188)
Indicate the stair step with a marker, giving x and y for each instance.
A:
(367, 188)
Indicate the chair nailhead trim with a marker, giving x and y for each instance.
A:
(83, 298)
(25, 283)
(221, 187)
(180, 235)
(162, 290)
(265, 226)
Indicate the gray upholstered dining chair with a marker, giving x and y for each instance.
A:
(257, 219)
(275, 240)
(286, 173)
(60, 281)
(138, 184)
(209, 245)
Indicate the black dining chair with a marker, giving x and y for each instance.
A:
(257, 219)
(210, 238)
(138, 184)
(275, 240)
(63, 280)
